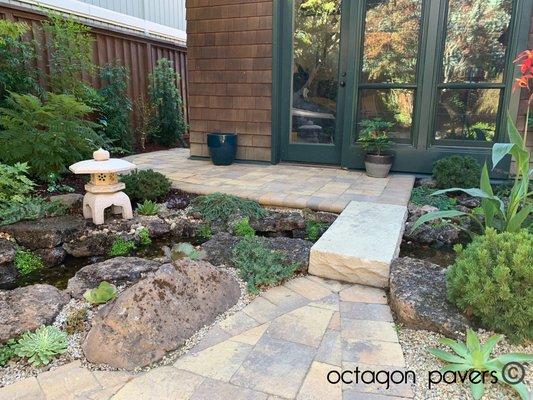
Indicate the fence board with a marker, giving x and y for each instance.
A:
(139, 54)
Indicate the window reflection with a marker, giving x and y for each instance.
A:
(467, 114)
(390, 105)
(315, 70)
(391, 40)
(477, 36)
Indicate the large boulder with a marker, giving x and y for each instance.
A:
(278, 222)
(159, 314)
(26, 308)
(8, 272)
(45, 233)
(155, 225)
(95, 244)
(219, 249)
(7, 251)
(53, 256)
(435, 232)
(119, 270)
(418, 298)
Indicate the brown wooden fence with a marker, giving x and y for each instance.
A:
(138, 53)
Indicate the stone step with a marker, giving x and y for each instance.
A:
(361, 244)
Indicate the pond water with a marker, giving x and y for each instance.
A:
(59, 275)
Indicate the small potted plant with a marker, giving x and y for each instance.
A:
(374, 139)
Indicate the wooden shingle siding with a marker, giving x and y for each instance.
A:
(229, 63)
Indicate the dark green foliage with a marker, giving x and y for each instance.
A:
(457, 171)
(30, 208)
(148, 207)
(492, 279)
(121, 247)
(315, 229)
(374, 135)
(49, 135)
(422, 195)
(27, 262)
(16, 55)
(243, 228)
(116, 107)
(144, 237)
(166, 98)
(259, 266)
(224, 207)
(146, 185)
(205, 231)
(7, 351)
(70, 48)
(14, 184)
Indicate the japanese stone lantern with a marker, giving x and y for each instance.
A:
(104, 190)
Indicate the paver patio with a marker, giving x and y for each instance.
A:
(280, 346)
(282, 185)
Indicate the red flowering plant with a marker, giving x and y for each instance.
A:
(525, 62)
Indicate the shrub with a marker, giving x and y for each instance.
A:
(374, 135)
(223, 207)
(116, 107)
(27, 262)
(30, 208)
(42, 345)
(16, 55)
(14, 184)
(148, 207)
(145, 124)
(166, 98)
(48, 135)
(314, 229)
(423, 195)
(144, 237)
(243, 228)
(492, 278)
(70, 48)
(121, 247)
(101, 294)
(146, 185)
(259, 266)
(456, 171)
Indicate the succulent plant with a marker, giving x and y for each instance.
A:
(41, 346)
(184, 250)
(101, 294)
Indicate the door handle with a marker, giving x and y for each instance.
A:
(342, 84)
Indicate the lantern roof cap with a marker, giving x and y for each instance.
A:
(101, 163)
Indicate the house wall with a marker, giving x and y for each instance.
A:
(229, 63)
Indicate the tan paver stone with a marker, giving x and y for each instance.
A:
(275, 367)
(25, 389)
(305, 325)
(214, 336)
(112, 378)
(368, 330)
(331, 302)
(316, 385)
(251, 336)
(262, 310)
(217, 362)
(401, 389)
(364, 294)
(215, 390)
(373, 352)
(334, 286)
(307, 288)
(160, 383)
(285, 298)
(335, 322)
(104, 394)
(67, 382)
(330, 350)
(353, 395)
(237, 323)
(366, 311)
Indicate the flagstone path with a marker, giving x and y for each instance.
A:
(280, 346)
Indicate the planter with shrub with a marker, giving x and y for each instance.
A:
(374, 139)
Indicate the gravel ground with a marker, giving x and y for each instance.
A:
(415, 343)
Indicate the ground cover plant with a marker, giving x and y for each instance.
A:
(475, 359)
(423, 195)
(259, 266)
(314, 229)
(492, 280)
(14, 183)
(121, 247)
(144, 237)
(27, 262)
(148, 207)
(30, 208)
(243, 228)
(456, 171)
(146, 185)
(41, 346)
(224, 207)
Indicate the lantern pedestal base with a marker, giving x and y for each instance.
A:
(94, 205)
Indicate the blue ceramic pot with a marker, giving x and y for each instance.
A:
(222, 147)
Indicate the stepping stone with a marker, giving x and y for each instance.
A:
(360, 245)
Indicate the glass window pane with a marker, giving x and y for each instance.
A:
(390, 105)
(477, 36)
(467, 114)
(391, 40)
(315, 70)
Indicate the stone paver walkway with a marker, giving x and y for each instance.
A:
(280, 346)
(282, 185)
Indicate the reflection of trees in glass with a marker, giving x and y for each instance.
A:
(391, 40)
(316, 51)
(476, 40)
